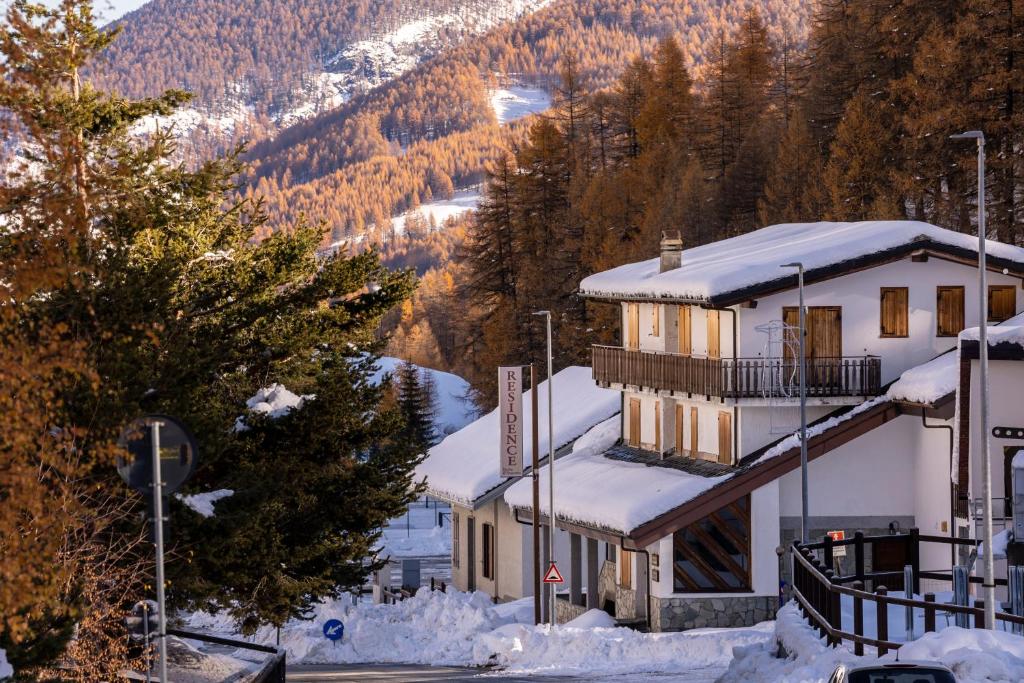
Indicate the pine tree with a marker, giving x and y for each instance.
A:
(417, 404)
(792, 192)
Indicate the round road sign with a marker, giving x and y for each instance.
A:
(178, 453)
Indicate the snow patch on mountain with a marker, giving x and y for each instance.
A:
(516, 101)
(435, 213)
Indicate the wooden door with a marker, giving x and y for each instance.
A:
(632, 326)
(679, 429)
(685, 337)
(626, 568)
(657, 426)
(693, 432)
(634, 422)
(714, 336)
(823, 343)
(725, 437)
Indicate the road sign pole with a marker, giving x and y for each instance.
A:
(551, 460)
(535, 476)
(158, 526)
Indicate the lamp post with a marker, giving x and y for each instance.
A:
(804, 530)
(989, 588)
(551, 458)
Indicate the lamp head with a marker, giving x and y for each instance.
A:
(542, 313)
(969, 135)
(795, 264)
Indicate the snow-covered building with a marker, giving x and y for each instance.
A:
(492, 551)
(699, 490)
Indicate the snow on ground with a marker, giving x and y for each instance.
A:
(467, 629)
(203, 502)
(6, 670)
(453, 410)
(754, 258)
(975, 655)
(516, 101)
(640, 492)
(464, 466)
(441, 210)
(417, 533)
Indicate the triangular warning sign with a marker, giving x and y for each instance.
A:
(553, 576)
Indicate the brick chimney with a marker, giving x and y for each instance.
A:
(671, 250)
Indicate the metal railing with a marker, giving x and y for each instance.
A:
(273, 670)
(818, 590)
(736, 377)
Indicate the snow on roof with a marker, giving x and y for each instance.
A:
(612, 494)
(464, 466)
(928, 382)
(1009, 331)
(755, 258)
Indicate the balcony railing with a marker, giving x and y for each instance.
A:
(739, 377)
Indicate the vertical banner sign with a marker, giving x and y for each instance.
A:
(510, 411)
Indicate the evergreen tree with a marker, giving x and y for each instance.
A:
(417, 406)
(792, 191)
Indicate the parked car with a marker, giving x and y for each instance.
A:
(892, 672)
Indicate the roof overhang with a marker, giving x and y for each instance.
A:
(919, 247)
(971, 350)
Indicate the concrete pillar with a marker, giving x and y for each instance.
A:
(575, 570)
(642, 571)
(593, 595)
(545, 561)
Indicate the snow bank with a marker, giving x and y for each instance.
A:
(975, 655)
(203, 502)
(517, 101)
(453, 410)
(6, 670)
(589, 481)
(464, 466)
(755, 258)
(594, 618)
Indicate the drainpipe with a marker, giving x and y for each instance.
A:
(648, 606)
(952, 501)
(735, 387)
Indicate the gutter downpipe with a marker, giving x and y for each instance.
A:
(735, 388)
(952, 501)
(647, 616)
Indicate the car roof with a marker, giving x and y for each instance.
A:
(905, 664)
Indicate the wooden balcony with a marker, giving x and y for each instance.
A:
(737, 378)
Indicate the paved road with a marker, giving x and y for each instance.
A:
(402, 673)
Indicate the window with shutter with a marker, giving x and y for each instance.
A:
(657, 426)
(634, 422)
(693, 432)
(626, 568)
(1002, 302)
(632, 326)
(893, 305)
(714, 336)
(685, 338)
(656, 320)
(679, 429)
(725, 437)
(949, 311)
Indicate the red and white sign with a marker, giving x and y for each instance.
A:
(553, 576)
(510, 412)
(839, 550)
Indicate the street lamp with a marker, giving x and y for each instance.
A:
(804, 527)
(989, 588)
(551, 458)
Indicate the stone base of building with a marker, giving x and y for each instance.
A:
(680, 614)
(565, 611)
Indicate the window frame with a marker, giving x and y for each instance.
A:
(904, 313)
(487, 555)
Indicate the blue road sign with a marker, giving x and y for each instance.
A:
(333, 629)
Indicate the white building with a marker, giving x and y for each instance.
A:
(491, 550)
(703, 486)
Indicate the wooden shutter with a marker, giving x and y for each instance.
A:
(693, 432)
(633, 326)
(685, 338)
(626, 568)
(634, 422)
(725, 437)
(657, 426)
(791, 318)
(714, 336)
(679, 429)
(1002, 302)
(949, 311)
(893, 314)
(656, 320)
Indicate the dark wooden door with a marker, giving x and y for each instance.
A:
(890, 555)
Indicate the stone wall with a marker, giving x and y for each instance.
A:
(625, 604)
(566, 611)
(680, 614)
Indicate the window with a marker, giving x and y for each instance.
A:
(634, 422)
(724, 437)
(713, 554)
(656, 320)
(693, 432)
(488, 554)
(657, 426)
(949, 311)
(455, 539)
(679, 429)
(714, 336)
(893, 312)
(626, 568)
(685, 344)
(1002, 302)
(633, 326)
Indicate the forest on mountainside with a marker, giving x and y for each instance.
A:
(853, 127)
